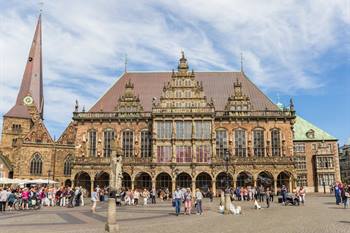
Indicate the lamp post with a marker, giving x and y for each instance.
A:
(324, 186)
(227, 190)
(48, 176)
(226, 160)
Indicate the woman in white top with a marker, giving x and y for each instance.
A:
(94, 198)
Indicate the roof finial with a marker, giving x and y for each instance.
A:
(126, 63)
(242, 71)
(41, 4)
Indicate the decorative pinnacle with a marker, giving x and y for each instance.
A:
(242, 63)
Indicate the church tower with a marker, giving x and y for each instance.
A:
(28, 110)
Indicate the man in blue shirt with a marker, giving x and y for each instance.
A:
(178, 197)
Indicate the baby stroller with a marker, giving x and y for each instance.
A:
(292, 199)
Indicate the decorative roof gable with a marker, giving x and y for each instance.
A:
(68, 136)
(182, 93)
(129, 102)
(238, 103)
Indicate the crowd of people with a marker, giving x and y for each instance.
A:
(34, 197)
(342, 194)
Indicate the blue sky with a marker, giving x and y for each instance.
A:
(296, 49)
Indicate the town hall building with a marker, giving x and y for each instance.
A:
(179, 128)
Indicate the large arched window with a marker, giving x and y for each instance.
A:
(92, 142)
(221, 143)
(146, 143)
(108, 136)
(275, 142)
(240, 143)
(68, 164)
(258, 135)
(36, 165)
(128, 143)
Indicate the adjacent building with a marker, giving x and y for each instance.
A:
(344, 160)
(178, 128)
(316, 156)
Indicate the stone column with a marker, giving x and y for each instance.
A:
(213, 185)
(193, 186)
(173, 185)
(275, 186)
(92, 185)
(290, 183)
(132, 185)
(153, 184)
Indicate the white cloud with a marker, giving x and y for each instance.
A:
(85, 42)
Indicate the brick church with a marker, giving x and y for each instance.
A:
(180, 128)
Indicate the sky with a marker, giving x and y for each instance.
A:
(291, 49)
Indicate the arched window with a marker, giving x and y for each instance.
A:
(92, 143)
(146, 143)
(275, 142)
(36, 165)
(128, 143)
(68, 164)
(259, 149)
(108, 136)
(240, 143)
(221, 143)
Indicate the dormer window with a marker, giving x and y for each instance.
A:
(310, 134)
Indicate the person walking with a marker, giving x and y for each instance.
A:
(145, 195)
(94, 198)
(3, 199)
(136, 197)
(199, 198)
(345, 196)
(11, 199)
(188, 201)
(153, 196)
(284, 194)
(178, 197)
(268, 194)
(302, 195)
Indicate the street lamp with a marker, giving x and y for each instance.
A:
(324, 185)
(227, 198)
(226, 159)
(48, 176)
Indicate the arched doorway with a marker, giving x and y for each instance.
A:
(163, 181)
(143, 181)
(244, 179)
(222, 181)
(68, 183)
(283, 179)
(126, 181)
(203, 182)
(83, 179)
(102, 180)
(184, 180)
(265, 179)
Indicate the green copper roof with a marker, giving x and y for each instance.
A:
(305, 131)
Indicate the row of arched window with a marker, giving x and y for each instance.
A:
(240, 142)
(36, 165)
(127, 143)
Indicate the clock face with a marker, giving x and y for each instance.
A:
(28, 100)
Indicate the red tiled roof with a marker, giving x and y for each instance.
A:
(216, 85)
(32, 81)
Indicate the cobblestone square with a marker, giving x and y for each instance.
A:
(320, 214)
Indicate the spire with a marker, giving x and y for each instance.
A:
(32, 82)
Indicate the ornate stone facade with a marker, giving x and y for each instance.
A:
(179, 128)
